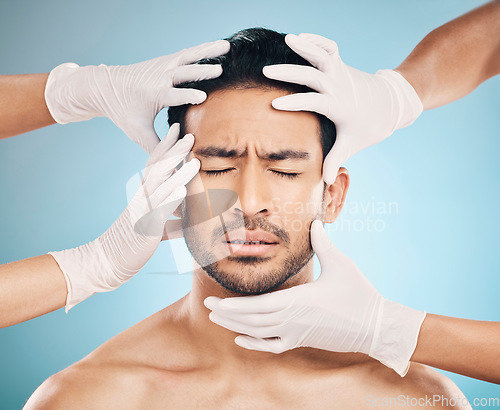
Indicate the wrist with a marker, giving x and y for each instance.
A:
(85, 271)
(396, 335)
(70, 93)
(404, 97)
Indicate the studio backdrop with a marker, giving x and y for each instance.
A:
(421, 218)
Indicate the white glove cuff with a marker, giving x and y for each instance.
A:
(407, 98)
(59, 96)
(84, 273)
(396, 335)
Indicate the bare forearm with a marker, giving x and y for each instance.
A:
(30, 288)
(455, 58)
(22, 104)
(467, 347)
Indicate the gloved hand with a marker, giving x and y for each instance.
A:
(341, 311)
(118, 254)
(131, 96)
(366, 108)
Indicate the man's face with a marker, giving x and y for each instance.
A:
(272, 160)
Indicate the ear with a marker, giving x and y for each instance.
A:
(335, 195)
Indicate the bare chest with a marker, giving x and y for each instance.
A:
(203, 390)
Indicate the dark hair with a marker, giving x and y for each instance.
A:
(251, 50)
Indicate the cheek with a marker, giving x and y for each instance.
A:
(208, 199)
(196, 186)
(297, 206)
(197, 206)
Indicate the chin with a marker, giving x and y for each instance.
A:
(245, 280)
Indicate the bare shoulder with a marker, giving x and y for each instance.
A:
(125, 372)
(422, 387)
(84, 386)
(428, 379)
(429, 382)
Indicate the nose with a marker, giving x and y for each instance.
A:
(254, 192)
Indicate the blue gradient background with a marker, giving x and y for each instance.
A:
(64, 185)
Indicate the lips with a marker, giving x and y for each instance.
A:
(251, 237)
(250, 243)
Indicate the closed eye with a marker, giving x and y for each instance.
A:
(289, 175)
(216, 172)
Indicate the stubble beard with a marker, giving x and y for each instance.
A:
(248, 279)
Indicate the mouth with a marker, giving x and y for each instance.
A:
(238, 242)
(250, 243)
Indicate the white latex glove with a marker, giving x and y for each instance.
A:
(131, 96)
(341, 311)
(366, 108)
(117, 255)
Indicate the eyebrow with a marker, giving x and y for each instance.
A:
(220, 152)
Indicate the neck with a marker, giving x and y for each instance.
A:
(218, 340)
(216, 344)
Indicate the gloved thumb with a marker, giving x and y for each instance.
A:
(326, 44)
(330, 258)
(335, 159)
(322, 246)
(144, 135)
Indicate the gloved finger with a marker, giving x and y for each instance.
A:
(252, 319)
(163, 168)
(272, 345)
(202, 51)
(314, 102)
(265, 303)
(181, 146)
(196, 72)
(162, 148)
(152, 224)
(172, 97)
(260, 332)
(171, 138)
(298, 74)
(180, 178)
(211, 302)
(170, 204)
(318, 57)
(334, 160)
(326, 44)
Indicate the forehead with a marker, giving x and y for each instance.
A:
(244, 119)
